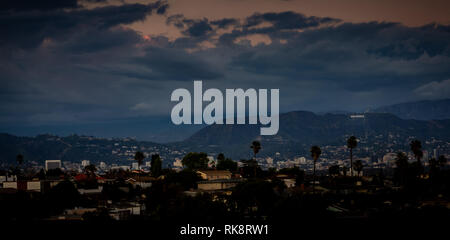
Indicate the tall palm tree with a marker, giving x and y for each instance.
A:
(315, 154)
(139, 157)
(256, 146)
(19, 159)
(352, 142)
(416, 148)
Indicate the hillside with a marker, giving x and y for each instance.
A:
(299, 130)
(421, 110)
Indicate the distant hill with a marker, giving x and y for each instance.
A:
(422, 110)
(73, 148)
(158, 129)
(299, 130)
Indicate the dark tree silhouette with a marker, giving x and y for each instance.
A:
(256, 146)
(344, 171)
(156, 165)
(352, 142)
(250, 168)
(442, 161)
(139, 157)
(333, 170)
(90, 169)
(220, 157)
(315, 154)
(225, 163)
(416, 148)
(358, 166)
(195, 160)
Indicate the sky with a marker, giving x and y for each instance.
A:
(74, 63)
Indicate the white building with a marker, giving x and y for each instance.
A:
(52, 164)
(85, 163)
(269, 160)
(389, 159)
(134, 166)
(177, 163)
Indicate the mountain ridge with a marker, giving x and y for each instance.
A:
(419, 110)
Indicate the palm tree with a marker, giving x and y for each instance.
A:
(19, 159)
(156, 165)
(359, 166)
(315, 154)
(352, 142)
(256, 146)
(139, 157)
(416, 148)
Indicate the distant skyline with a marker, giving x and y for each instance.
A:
(68, 63)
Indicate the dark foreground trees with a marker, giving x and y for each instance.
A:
(156, 165)
(194, 160)
(315, 154)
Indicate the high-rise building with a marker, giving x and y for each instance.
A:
(435, 153)
(135, 166)
(85, 163)
(52, 164)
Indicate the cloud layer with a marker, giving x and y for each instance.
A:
(64, 62)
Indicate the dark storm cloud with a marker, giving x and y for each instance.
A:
(283, 24)
(412, 43)
(224, 23)
(43, 5)
(199, 28)
(104, 39)
(357, 57)
(287, 20)
(30, 28)
(279, 22)
(175, 64)
(61, 61)
(191, 27)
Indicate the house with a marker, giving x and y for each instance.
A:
(218, 184)
(214, 174)
(24, 185)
